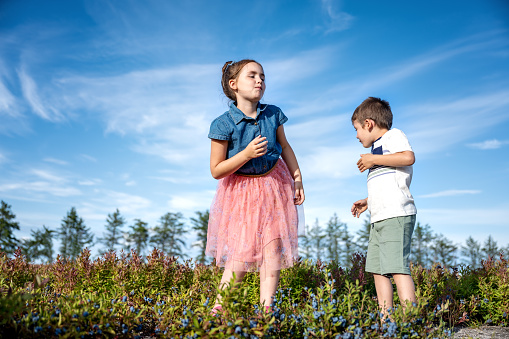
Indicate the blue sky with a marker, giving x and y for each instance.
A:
(107, 104)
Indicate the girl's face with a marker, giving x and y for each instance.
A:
(250, 84)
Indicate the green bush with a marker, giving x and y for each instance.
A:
(128, 296)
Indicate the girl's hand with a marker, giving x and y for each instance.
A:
(299, 193)
(359, 207)
(257, 147)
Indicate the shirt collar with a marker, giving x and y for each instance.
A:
(237, 115)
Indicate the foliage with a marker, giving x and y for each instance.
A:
(8, 241)
(74, 235)
(39, 246)
(138, 236)
(200, 224)
(112, 236)
(168, 234)
(128, 296)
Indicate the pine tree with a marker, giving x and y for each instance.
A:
(200, 225)
(305, 245)
(316, 238)
(168, 235)
(490, 248)
(138, 236)
(333, 234)
(74, 235)
(472, 251)
(8, 242)
(444, 251)
(111, 238)
(348, 246)
(422, 239)
(363, 236)
(40, 246)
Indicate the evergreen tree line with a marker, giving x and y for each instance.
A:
(333, 241)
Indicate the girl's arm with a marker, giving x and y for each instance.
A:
(399, 159)
(221, 167)
(291, 161)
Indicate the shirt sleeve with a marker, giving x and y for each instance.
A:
(219, 130)
(398, 142)
(281, 117)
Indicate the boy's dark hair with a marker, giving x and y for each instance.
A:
(231, 70)
(375, 109)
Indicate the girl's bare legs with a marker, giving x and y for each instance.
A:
(225, 282)
(268, 286)
(269, 277)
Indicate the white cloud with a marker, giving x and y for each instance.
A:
(489, 144)
(87, 158)
(89, 182)
(56, 161)
(42, 188)
(30, 92)
(190, 202)
(337, 20)
(47, 175)
(458, 224)
(449, 193)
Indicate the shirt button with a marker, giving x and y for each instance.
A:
(256, 123)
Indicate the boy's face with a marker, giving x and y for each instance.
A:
(364, 133)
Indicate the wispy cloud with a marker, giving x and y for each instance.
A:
(449, 193)
(87, 158)
(336, 19)
(434, 126)
(90, 182)
(489, 144)
(56, 161)
(30, 92)
(40, 187)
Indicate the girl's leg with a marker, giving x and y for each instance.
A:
(270, 271)
(268, 285)
(225, 282)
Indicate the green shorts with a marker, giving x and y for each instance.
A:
(389, 246)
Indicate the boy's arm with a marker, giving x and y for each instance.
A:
(359, 207)
(400, 159)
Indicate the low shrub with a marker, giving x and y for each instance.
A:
(129, 296)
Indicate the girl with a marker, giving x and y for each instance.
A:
(253, 218)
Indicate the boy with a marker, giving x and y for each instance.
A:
(389, 200)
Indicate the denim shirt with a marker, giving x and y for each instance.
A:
(240, 130)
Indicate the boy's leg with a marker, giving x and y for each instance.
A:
(384, 292)
(406, 288)
(225, 281)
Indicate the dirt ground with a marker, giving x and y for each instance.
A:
(487, 332)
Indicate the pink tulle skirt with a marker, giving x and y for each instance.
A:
(253, 222)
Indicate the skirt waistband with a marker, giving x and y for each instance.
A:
(259, 175)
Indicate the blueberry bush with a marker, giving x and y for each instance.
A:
(127, 296)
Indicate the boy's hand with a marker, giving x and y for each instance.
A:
(359, 207)
(257, 147)
(299, 193)
(366, 162)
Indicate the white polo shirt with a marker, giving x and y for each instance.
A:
(389, 187)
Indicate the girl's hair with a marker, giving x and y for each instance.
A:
(375, 109)
(231, 70)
